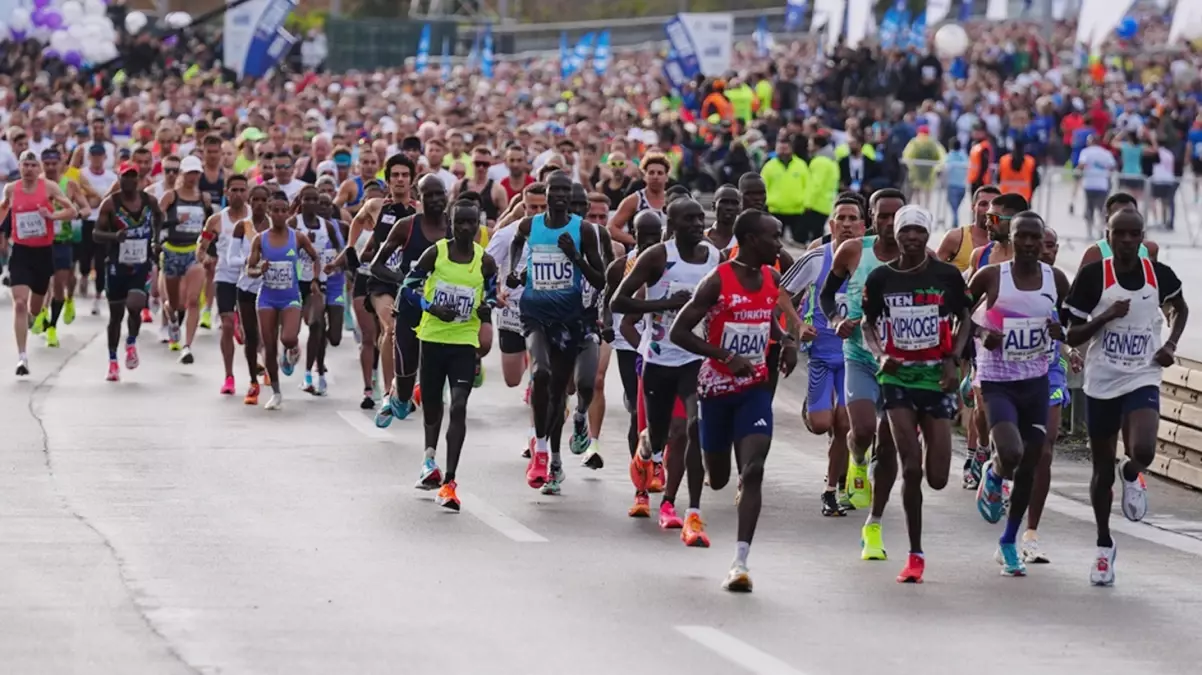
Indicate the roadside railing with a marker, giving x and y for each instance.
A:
(1179, 438)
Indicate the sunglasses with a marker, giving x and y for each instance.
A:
(599, 217)
(484, 165)
(173, 169)
(997, 218)
(617, 165)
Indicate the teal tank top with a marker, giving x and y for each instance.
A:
(853, 347)
(1104, 249)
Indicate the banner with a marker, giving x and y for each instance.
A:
(859, 16)
(1187, 21)
(601, 54)
(423, 51)
(674, 72)
(795, 14)
(763, 39)
(1098, 18)
(703, 42)
(565, 58)
(446, 58)
(937, 10)
(487, 60)
(252, 40)
(582, 53)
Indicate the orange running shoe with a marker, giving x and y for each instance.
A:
(658, 478)
(642, 472)
(642, 506)
(912, 573)
(147, 317)
(447, 498)
(417, 395)
(693, 533)
(252, 394)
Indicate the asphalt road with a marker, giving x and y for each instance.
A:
(153, 526)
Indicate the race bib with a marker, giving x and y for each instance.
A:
(460, 298)
(327, 256)
(394, 260)
(1024, 339)
(280, 275)
(387, 219)
(133, 252)
(191, 219)
(749, 340)
(550, 269)
(510, 319)
(30, 225)
(840, 306)
(914, 329)
(1127, 347)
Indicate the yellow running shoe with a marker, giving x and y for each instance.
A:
(870, 540)
(39, 322)
(51, 337)
(69, 311)
(859, 489)
(206, 318)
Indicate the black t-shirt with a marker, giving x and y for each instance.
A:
(1086, 291)
(390, 215)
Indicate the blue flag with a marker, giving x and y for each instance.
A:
(918, 32)
(565, 59)
(601, 54)
(795, 14)
(584, 50)
(763, 38)
(965, 10)
(446, 58)
(474, 55)
(423, 51)
(487, 62)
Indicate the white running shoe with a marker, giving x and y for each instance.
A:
(1030, 550)
(22, 366)
(185, 356)
(275, 402)
(1135, 495)
(1102, 573)
(164, 334)
(96, 304)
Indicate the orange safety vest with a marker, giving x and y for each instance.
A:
(1016, 181)
(974, 164)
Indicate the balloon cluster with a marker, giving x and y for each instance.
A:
(76, 31)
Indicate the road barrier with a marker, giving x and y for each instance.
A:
(1179, 438)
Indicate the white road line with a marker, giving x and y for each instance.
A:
(490, 516)
(736, 651)
(1145, 531)
(359, 422)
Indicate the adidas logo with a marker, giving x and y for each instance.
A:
(761, 423)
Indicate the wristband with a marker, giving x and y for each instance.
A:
(208, 235)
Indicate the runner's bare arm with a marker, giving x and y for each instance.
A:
(488, 269)
(67, 210)
(254, 259)
(873, 307)
(950, 245)
(592, 261)
(681, 333)
(105, 231)
(396, 240)
(622, 216)
(647, 270)
(302, 240)
(629, 327)
(210, 232)
(515, 251)
(843, 265)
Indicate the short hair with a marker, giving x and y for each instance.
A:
(1118, 199)
(171, 158)
(678, 190)
(851, 199)
(260, 186)
(212, 139)
(398, 159)
(1029, 215)
(536, 188)
(985, 190)
(470, 196)
(235, 178)
(435, 141)
(466, 202)
(599, 198)
(745, 222)
(655, 158)
(885, 193)
(280, 195)
(1011, 202)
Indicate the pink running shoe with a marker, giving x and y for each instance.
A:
(114, 372)
(227, 389)
(131, 357)
(537, 470)
(668, 520)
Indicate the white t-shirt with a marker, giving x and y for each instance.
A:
(1162, 170)
(39, 146)
(100, 183)
(448, 179)
(1096, 165)
(293, 188)
(498, 172)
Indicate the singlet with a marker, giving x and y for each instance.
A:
(29, 228)
(827, 347)
(229, 267)
(491, 210)
(853, 346)
(554, 285)
(657, 346)
(215, 189)
(245, 281)
(360, 247)
(1107, 252)
(984, 259)
(390, 214)
(512, 190)
(740, 323)
(328, 255)
(456, 285)
(620, 342)
(102, 183)
(409, 255)
(280, 278)
(963, 259)
(133, 254)
(67, 231)
(590, 296)
(358, 192)
(1119, 359)
(1022, 319)
(645, 205)
(185, 222)
(320, 238)
(616, 195)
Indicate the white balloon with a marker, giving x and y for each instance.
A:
(61, 40)
(135, 21)
(951, 41)
(93, 7)
(41, 34)
(77, 31)
(72, 12)
(20, 19)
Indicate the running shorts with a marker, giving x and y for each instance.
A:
(1104, 416)
(120, 280)
(31, 266)
(512, 342)
(825, 389)
(359, 288)
(678, 410)
(1059, 395)
(227, 297)
(443, 363)
(64, 256)
(725, 420)
(174, 264)
(1020, 403)
(925, 402)
(860, 383)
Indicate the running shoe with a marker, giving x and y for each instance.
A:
(738, 579)
(871, 545)
(969, 478)
(447, 498)
(52, 337)
(1102, 573)
(368, 401)
(131, 357)
(227, 389)
(430, 477)
(845, 500)
(580, 440)
(400, 409)
(415, 399)
(479, 380)
(1135, 495)
(526, 397)
(321, 385)
(286, 367)
(668, 520)
(693, 533)
(1032, 555)
(69, 311)
(658, 478)
(239, 335)
(383, 417)
(22, 366)
(912, 572)
(592, 458)
(173, 333)
(147, 317)
(292, 356)
(252, 394)
(555, 485)
(830, 505)
(174, 346)
(989, 496)
(39, 322)
(528, 451)
(859, 488)
(186, 357)
(164, 335)
(114, 372)
(206, 318)
(307, 384)
(642, 471)
(1007, 485)
(1012, 564)
(96, 306)
(642, 506)
(275, 402)
(537, 470)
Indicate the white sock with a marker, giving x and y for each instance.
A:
(689, 512)
(657, 457)
(430, 452)
(742, 548)
(873, 520)
(540, 446)
(23, 356)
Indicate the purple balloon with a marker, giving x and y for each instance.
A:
(53, 19)
(18, 35)
(41, 4)
(73, 58)
(50, 53)
(171, 41)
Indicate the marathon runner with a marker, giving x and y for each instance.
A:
(909, 308)
(1016, 317)
(958, 245)
(187, 209)
(1100, 250)
(241, 239)
(509, 319)
(218, 236)
(67, 236)
(597, 213)
(352, 192)
(1114, 306)
(726, 208)
(322, 234)
(127, 232)
(454, 283)
(212, 183)
(28, 201)
(753, 192)
(564, 253)
(655, 168)
(99, 176)
(274, 256)
(737, 302)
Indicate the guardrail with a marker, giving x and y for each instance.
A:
(1179, 438)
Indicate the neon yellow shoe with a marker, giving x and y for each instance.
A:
(206, 318)
(69, 311)
(872, 547)
(39, 322)
(51, 337)
(859, 488)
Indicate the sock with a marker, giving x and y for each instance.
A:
(56, 308)
(742, 548)
(131, 340)
(873, 520)
(112, 355)
(829, 488)
(430, 452)
(555, 459)
(918, 554)
(22, 356)
(179, 317)
(1011, 532)
(657, 457)
(691, 511)
(972, 454)
(540, 446)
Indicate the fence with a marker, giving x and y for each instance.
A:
(1179, 438)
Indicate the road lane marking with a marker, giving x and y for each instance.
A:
(359, 422)
(492, 517)
(1144, 530)
(736, 651)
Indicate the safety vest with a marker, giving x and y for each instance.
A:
(1016, 181)
(974, 164)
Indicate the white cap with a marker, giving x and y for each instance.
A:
(190, 164)
(912, 215)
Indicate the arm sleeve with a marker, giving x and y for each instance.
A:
(1167, 282)
(803, 273)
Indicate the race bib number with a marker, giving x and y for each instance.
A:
(459, 298)
(394, 260)
(133, 252)
(914, 329)
(1024, 339)
(1127, 348)
(550, 269)
(749, 340)
(840, 306)
(191, 219)
(387, 219)
(327, 256)
(30, 225)
(280, 275)
(510, 319)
